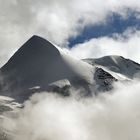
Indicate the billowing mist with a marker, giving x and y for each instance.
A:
(49, 116)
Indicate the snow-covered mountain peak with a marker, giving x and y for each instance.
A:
(39, 63)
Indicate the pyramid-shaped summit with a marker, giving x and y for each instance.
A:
(33, 50)
(36, 63)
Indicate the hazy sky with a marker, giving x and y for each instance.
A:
(110, 27)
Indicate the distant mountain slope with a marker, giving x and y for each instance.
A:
(117, 64)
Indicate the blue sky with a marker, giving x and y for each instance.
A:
(115, 23)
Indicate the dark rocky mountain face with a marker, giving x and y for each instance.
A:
(36, 63)
(104, 80)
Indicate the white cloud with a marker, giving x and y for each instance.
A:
(49, 116)
(55, 20)
(127, 45)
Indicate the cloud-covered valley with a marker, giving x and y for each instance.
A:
(106, 117)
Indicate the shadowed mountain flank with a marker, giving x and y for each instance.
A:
(36, 63)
